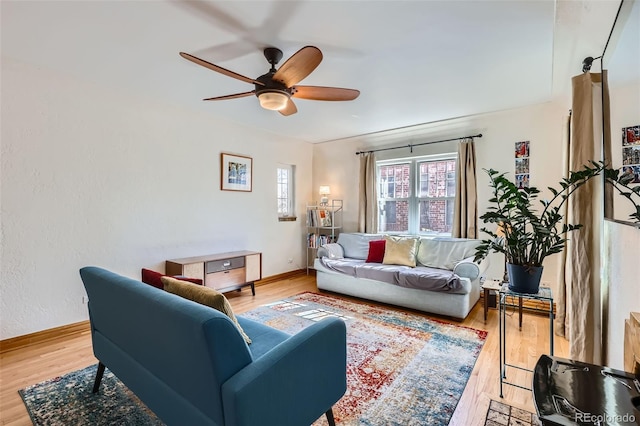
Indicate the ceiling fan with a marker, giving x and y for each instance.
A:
(276, 88)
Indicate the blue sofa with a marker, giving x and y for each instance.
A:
(189, 364)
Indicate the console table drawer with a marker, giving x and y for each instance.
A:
(226, 278)
(224, 264)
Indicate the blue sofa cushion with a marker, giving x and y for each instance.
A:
(263, 337)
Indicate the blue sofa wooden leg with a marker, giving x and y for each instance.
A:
(330, 418)
(99, 373)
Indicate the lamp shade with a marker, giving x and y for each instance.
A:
(325, 190)
(273, 100)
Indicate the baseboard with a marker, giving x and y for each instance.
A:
(43, 336)
(280, 277)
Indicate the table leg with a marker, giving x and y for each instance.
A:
(551, 326)
(500, 333)
(520, 313)
(504, 339)
(486, 303)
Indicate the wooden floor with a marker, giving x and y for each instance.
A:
(25, 366)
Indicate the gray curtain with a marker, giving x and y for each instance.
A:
(589, 106)
(368, 196)
(465, 217)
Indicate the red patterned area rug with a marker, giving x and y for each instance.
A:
(402, 368)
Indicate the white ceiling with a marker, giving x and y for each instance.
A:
(413, 61)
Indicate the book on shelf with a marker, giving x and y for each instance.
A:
(312, 218)
(315, 240)
(319, 218)
(325, 217)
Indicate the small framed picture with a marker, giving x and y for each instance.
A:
(522, 149)
(522, 166)
(236, 172)
(522, 181)
(631, 135)
(633, 171)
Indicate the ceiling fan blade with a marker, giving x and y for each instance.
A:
(299, 65)
(219, 69)
(234, 96)
(319, 93)
(289, 109)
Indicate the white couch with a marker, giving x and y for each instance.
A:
(450, 258)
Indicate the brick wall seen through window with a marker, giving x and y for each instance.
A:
(417, 196)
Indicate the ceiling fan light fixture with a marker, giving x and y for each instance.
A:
(273, 100)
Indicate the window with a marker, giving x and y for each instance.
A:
(417, 195)
(285, 191)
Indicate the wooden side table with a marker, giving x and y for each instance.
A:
(506, 297)
(488, 286)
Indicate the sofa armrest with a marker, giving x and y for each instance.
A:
(331, 250)
(469, 269)
(294, 383)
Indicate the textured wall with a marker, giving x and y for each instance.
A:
(92, 176)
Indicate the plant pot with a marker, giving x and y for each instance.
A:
(524, 279)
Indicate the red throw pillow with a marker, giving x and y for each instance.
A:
(376, 251)
(153, 278)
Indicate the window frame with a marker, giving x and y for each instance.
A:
(414, 199)
(289, 214)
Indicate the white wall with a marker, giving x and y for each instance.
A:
(622, 272)
(91, 176)
(335, 163)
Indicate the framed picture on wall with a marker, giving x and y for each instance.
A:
(631, 152)
(631, 136)
(522, 164)
(236, 172)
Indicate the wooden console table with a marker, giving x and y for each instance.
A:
(221, 271)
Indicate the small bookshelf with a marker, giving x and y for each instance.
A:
(324, 222)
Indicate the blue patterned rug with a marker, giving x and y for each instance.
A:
(403, 369)
(68, 400)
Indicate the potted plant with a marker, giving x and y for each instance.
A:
(525, 235)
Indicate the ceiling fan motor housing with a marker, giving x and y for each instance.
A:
(270, 85)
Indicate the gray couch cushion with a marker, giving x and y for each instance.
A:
(421, 277)
(445, 253)
(356, 245)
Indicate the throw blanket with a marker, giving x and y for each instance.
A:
(420, 277)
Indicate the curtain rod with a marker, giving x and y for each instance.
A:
(410, 146)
